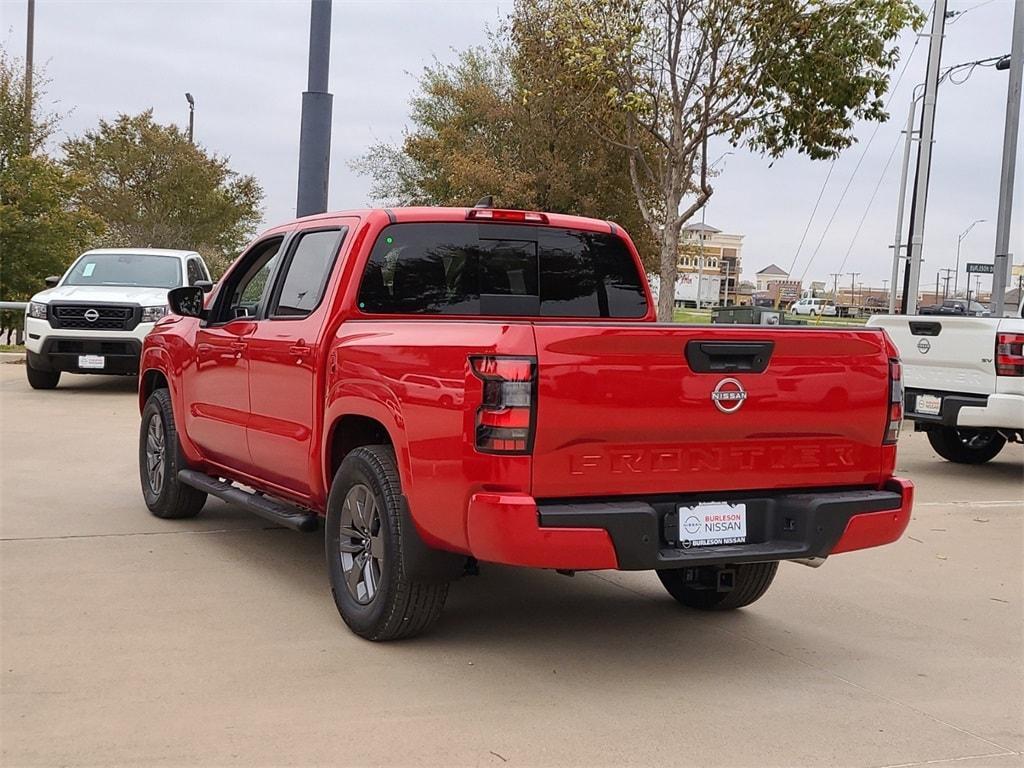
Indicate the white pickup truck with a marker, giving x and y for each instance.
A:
(963, 380)
(93, 319)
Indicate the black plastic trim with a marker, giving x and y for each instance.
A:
(950, 411)
(118, 361)
(783, 526)
(267, 508)
(709, 356)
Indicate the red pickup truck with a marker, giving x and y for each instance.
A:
(448, 385)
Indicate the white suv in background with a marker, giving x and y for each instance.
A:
(94, 318)
(809, 306)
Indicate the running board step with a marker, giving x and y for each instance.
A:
(269, 509)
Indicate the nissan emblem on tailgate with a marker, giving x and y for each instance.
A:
(728, 395)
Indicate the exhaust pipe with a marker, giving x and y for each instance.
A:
(810, 562)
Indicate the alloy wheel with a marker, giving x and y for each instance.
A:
(156, 455)
(361, 543)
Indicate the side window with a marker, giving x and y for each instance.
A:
(244, 290)
(306, 273)
(195, 272)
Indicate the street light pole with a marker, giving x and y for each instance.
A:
(897, 253)
(317, 107)
(700, 263)
(960, 239)
(191, 118)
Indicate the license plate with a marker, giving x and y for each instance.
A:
(712, 523)
(92, 362)
(929, 405)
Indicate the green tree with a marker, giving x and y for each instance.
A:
(41, 226)
(772, 75)
(152, 187)
(488, 124)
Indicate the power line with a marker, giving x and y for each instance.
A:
(871, 200)
(821, 193)
(892, 93)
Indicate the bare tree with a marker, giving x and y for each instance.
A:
(773, 75)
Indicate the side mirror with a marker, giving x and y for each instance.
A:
(186, 301)
(52, 280)
(206, 285)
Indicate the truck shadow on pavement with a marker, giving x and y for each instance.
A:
(531, 615)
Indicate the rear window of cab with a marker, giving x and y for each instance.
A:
(469, 268)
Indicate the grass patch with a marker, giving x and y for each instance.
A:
(12, 347)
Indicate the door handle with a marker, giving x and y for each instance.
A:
(300, 349)
(238, 346)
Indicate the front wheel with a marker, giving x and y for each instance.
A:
(966, 446)
(365, 539)
(159, 461)
(38, 379)
(719, 587)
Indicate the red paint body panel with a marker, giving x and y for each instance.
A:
(503, 528)
(618, 411)
(875, 529)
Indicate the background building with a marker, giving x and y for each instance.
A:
(770, 274)
(720, 252)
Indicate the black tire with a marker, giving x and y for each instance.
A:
(719, 588)
(169, 499)
(966, 446)
(364, 548)
(38, 379)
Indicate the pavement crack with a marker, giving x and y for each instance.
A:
(139, 533)
(943, 760)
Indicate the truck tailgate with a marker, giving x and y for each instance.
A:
(621, 410)
(953, 354)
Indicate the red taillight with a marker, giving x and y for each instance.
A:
(892, 431)
(1010, 354)
(504, 420)
(497, 214)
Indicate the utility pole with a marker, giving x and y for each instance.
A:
(317, 106)
(30, 38)
(835, 285)
(924, 157)
(853, 288)
(1001, 271)
(949, 276)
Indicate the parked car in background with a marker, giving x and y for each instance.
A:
(93, 319)
(964, 381)
(815, 307)
(956, 307)
(445, 385)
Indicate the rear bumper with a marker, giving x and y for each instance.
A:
(976, 411)
(638, 534)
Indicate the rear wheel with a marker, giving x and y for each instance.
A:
(966, 446)
(365, 540)
(719, 587)
(38, 379)
(160, 459)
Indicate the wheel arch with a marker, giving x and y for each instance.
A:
(354, 427)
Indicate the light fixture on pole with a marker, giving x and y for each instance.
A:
(960, 239)
(191, 117)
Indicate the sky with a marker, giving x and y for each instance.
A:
(245, 63)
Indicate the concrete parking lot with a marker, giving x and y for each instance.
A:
(133, 641)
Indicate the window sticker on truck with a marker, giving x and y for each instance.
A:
(712, 524)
